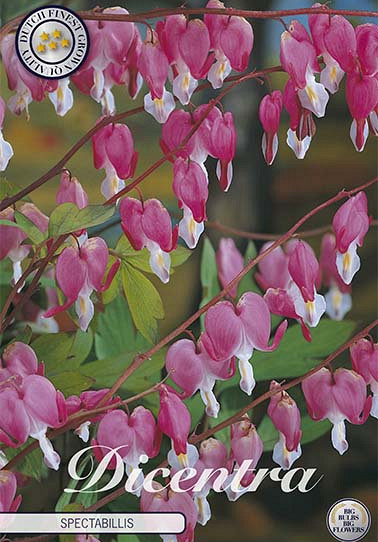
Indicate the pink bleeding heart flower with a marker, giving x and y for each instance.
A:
(149, 225)
(273, 276)
(8, 487)
(215, 25)
(298, 58)
(202, 137)
(302, 126)
(153, 66)
(237, 332)
(174, 131)
(165, 500)
(273, 269)
(341, 43)
(339, 396)
(19, 359)
(254, 315)
(362, 98)
(170, 31)
(246, 445)
(338, 298)
(10, 246)
(364, 355)
(190, 185)
(135, 437)
(87, 401)
(71, 191)
(6, 151)
(12, 237)
(192, 369)
(286, 418)
(269, 113)
(367, 48)
(212, 455)
(14, 421)
(113, 150)
(80, 271)
(350, 224)
(332, 74)
(236, 41)
(28, 87)
(174, 421)
(194, 47)
(223, 146)
(62, 97)
(111, 42)
(45, 407)
(229, 263)
(304, 270)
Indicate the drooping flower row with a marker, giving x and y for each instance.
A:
(333, 49)
(183, 51)
(36, 406)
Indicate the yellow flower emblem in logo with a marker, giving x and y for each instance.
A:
(52, 45)
(64, 42)
(44, 36)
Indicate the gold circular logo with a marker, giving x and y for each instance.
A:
(348, 519)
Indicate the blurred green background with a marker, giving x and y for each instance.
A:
(260, 199)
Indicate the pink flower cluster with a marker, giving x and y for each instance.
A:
(333, 49)
(291, 276)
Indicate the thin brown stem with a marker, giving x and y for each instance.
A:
(96, 15)
(270, 236)
(56, 169)
(236, 417)
(237, 81)
(139, 360)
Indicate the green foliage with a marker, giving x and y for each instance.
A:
(7, 188)
(144, 301)
(145, 304)
(31, 230)
(247, 283)
(32, 464)
(295, 356)
(63, 355)
(116, 344)
(115, 331)
(209, 275)
(67, 218)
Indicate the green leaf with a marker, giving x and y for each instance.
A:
(63, 351)
(71, 382)
(65, 498)
(141, 258)
(209, 275)
(115, 331)
(8, 189)
(53, 349)
(35, 234)
(67, 218)
(144, 301)
(248, 283)
(310, 431)
(295, 356)
(106, 371)
(114, 289)
(32, 464)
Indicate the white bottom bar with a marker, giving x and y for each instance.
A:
(160, 523)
